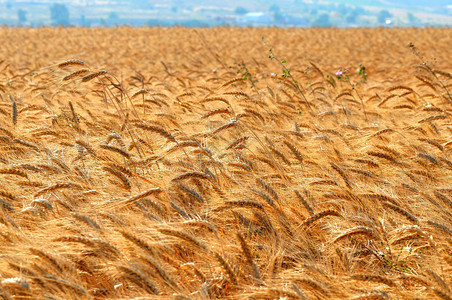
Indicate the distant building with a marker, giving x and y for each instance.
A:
(225, 20)
(255, 18)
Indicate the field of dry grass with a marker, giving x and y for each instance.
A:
(180, 163)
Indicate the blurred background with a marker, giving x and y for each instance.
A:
(189, 13)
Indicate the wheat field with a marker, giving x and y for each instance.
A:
(238, 163)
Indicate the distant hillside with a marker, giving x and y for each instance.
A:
(265, 4)
(423, 3)
(208, 13)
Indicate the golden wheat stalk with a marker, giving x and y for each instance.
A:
(76, 74)
(122, 203)
(156, 129)
(320, 215)
(360, 230)
(93, 75)
(70, 62)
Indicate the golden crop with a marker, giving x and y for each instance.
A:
(225, 163)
